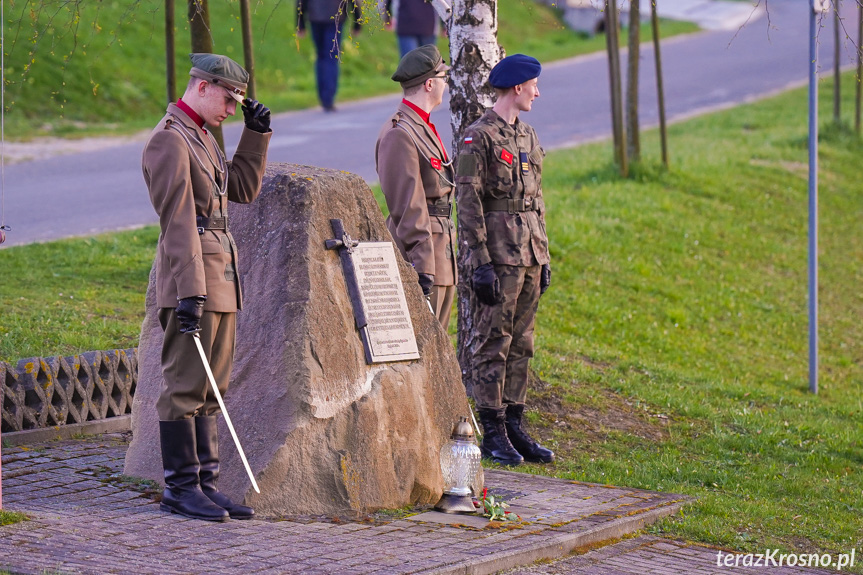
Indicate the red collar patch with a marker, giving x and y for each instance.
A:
(435, 163)
(506, 157)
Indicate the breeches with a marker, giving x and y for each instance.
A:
(185, 390)
(503, 338)
(441, 299)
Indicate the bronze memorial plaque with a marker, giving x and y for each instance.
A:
(390, 331)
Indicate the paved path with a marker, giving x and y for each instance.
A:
(84, 519)
(103, 190)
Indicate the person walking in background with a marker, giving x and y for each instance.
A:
(415, 21)
(502, 225)
(327, 18)
(197, 284)
(417, 178)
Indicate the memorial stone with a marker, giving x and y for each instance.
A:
(324, 431)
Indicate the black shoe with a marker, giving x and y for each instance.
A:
(207, 441)
(524, 443)
(495, 444)
(183, 493)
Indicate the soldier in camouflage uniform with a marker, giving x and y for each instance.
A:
(502, 218)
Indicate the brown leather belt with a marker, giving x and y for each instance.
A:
(514, 206)
(205, 223)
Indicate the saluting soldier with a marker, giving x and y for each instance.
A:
(502, 221)
(417, 178)
(197, 287)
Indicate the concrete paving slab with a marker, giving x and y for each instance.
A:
(94, 522)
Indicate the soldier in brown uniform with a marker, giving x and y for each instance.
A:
(197, 288)
(502, 218)
(417, 178)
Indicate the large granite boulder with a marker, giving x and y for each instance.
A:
(323, 431)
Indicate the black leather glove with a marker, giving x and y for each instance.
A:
(544, 278)
(189, 312)
(426, 282)
(486, 284)
(256, 116)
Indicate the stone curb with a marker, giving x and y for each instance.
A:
(563, 545)
(119, 424)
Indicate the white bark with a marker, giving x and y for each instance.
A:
(474, 52)
(443, 9)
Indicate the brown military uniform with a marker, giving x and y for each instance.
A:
(417, 182)
(190, 184)
(502, 218)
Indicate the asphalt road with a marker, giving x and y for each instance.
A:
(90, 192)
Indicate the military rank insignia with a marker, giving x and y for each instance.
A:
(506, 157)
(525, 166)
(435, 163)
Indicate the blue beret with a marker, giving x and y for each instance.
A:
(514, 70)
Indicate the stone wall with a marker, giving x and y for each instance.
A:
(49, 391)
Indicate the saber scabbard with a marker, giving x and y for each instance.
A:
(224, 410)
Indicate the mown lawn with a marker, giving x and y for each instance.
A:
(104, 71)
(672, 346)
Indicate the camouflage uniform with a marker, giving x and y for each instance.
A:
(502, 217)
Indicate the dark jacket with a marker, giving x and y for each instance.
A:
(414, 18)
(325, 10)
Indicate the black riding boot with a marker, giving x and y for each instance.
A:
(524, 443)
(208, 454)
(183, 493)
(495, 444)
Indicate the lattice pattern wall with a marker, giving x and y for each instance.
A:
(49, 391)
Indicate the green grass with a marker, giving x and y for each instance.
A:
(10, 517)
(685, 294)
(71, 296)
(676, 324)
(107, 75)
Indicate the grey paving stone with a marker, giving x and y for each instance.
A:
(93, 525)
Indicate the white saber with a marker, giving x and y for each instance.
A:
(224, 410)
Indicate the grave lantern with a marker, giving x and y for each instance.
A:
(460, 463)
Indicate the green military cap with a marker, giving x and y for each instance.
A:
(222, 71)
(419, 65)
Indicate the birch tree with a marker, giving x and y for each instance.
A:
(474, 51)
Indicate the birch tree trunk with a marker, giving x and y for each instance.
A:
(474, 52)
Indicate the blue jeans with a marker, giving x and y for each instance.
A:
(408, 43)
(327, 37)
